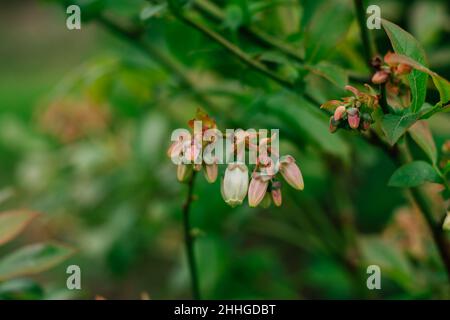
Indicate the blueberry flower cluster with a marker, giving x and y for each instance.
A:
(261, 185)
(393, 75)
(354, 112)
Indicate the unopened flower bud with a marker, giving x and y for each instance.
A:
(291, 172)
(333, 125)
(257, 190)
(403, 69)
(235, 184)
(276, 193)
(184, 171)
(339, 113)
(380, 77)
(211, 171)
(353, 118)
(365, 125)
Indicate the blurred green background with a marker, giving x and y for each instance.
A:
(86, 118)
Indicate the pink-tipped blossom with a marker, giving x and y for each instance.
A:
(291, 172)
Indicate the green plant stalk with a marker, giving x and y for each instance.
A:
(189, 239)
(235, 50)
(260, 36)
(367, 40)
(244, 57)
(171, 65)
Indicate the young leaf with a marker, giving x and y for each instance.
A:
(394, 125)
(13, 222)
(413, 174)
(404, 43)
(421, 134)
(33, 259)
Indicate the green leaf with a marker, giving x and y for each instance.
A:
(404, 43)
(33, 259)
(443, 86)
(21, 289)
(326, 29)
(421, 134)
(414, 174)
(394, 125)
(333, 73)
(13, 222)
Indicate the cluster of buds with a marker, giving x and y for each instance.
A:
(354, 112)
(393, 74)
(264, 186)
(261, 185)
(189, 147)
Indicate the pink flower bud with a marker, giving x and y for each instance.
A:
(291, 172)
(380, 77)
(366, 125)
(403, 69)
(333, 126)
(210, 172)
(235, 184)
(276, 196)
(353, 118)
(175, 149)
(256, 190)
(184, 171)
(339, 113)
(353, 121)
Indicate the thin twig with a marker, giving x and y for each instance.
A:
(189, 239)
(260, 36)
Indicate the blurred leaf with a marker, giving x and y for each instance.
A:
(431, 14)
(421, 134)
(234, 17)
(333, 73)
(413, 174)
(389, 258)
(152, 10)
(328, 27)
(394, 125)
(13, 222)
(21, 289)
(33, 259)
(404, 43)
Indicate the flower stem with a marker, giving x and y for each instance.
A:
(189, 239)
(367, 41)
